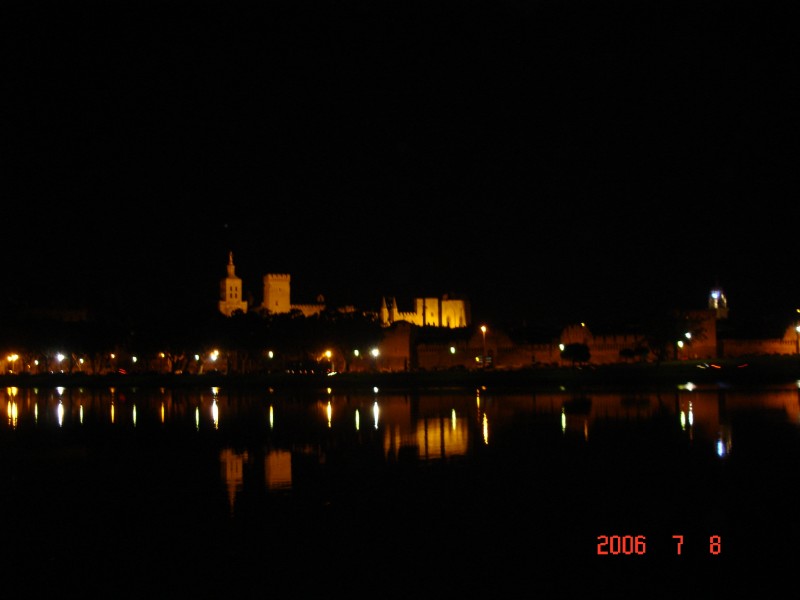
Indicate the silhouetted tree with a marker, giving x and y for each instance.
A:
(577, 353)
(349, 331)
(664, 332)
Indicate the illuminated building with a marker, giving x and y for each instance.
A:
(230, 300)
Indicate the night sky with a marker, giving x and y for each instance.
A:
(551, 161)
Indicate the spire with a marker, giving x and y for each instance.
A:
(231, 267)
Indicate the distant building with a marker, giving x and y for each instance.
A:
(230, 287)
(438, 334)
(444, 312)
(277, 295)
(450, 313)
(278, 299)
(718, 302)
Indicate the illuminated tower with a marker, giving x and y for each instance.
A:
(384, 312)
(276, 293)
(230, 291)
(719, 303)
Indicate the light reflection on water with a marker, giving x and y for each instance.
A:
(603, 460)
(426, 426)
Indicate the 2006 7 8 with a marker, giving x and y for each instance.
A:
(637, 544)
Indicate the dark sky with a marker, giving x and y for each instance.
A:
(557, 160)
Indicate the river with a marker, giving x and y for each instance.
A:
(441, 493)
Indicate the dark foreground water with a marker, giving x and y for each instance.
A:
(446, 494)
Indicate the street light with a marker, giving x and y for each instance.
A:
(375, 353)
(797, 329)
(483, 332)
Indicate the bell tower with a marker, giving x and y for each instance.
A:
(230, 291)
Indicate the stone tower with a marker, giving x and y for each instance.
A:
(230, 291)
(277, 293)
(718, 302)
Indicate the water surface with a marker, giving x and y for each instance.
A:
(437, 494)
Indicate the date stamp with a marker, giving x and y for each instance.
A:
(632, 545)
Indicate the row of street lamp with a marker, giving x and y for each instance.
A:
(214, 355)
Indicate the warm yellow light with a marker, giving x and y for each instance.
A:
(12, 413)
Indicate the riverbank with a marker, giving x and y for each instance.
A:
(758, 370)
